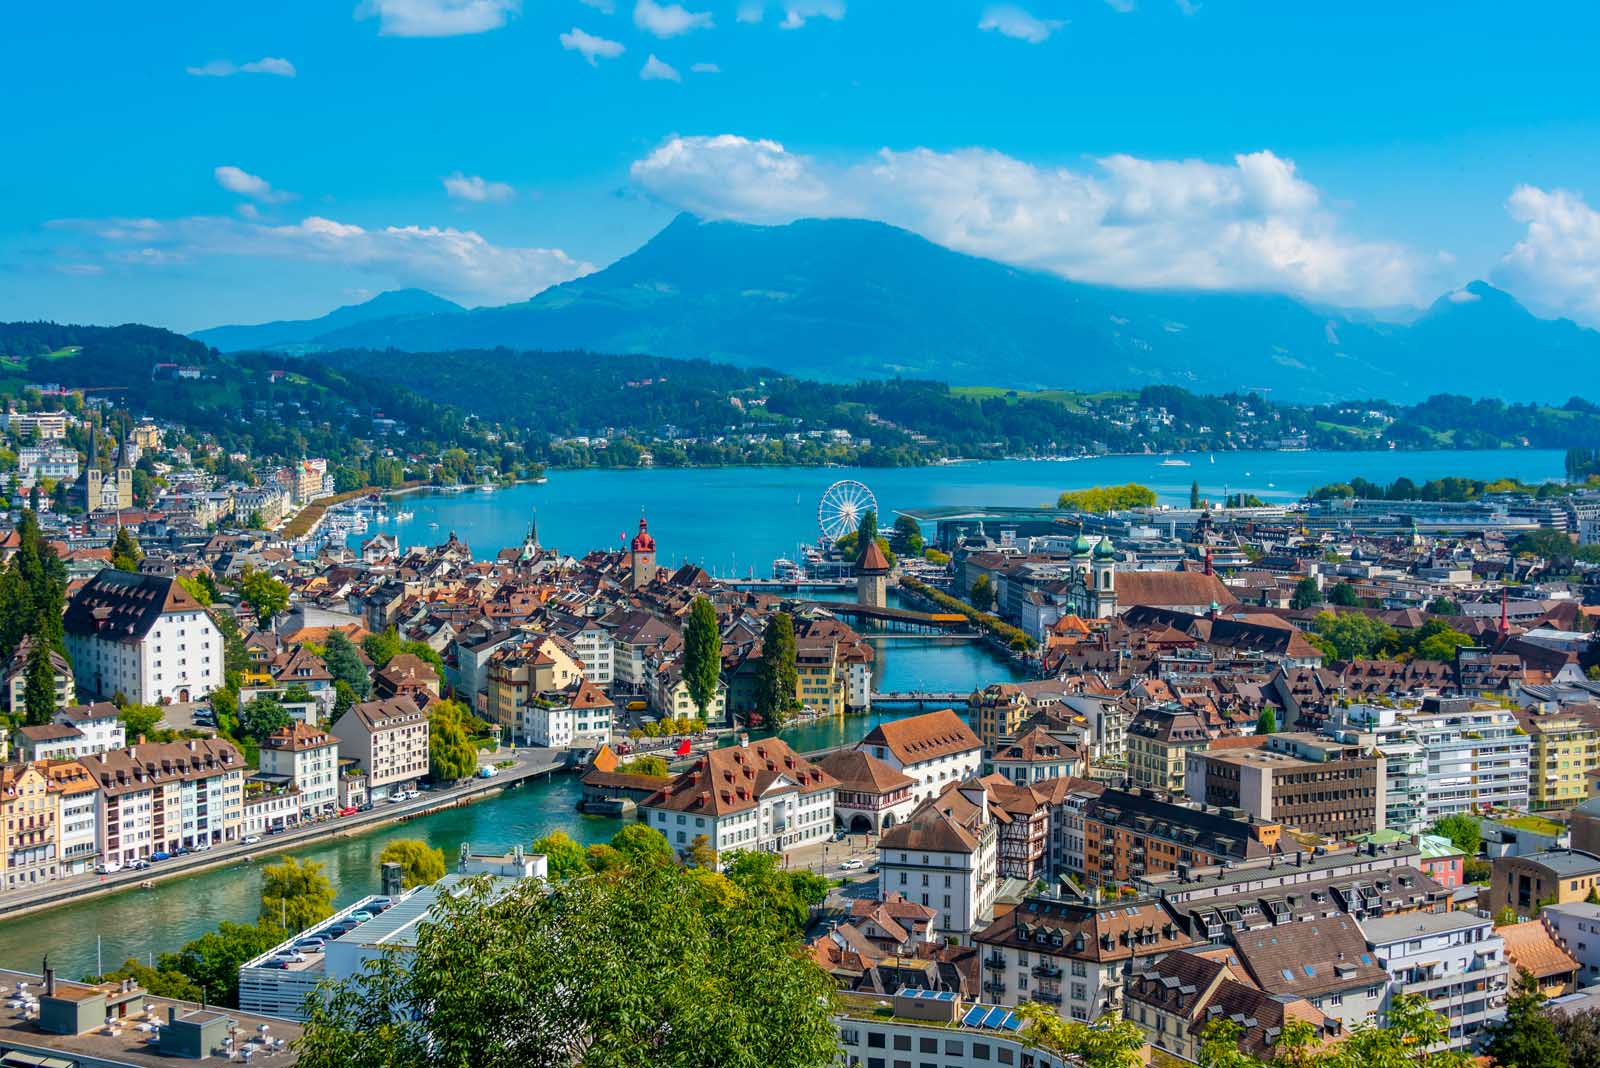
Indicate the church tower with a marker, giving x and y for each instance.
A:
(643, 550)
(1104, 597)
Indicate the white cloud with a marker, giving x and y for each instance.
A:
(1250, 224)
(222, 68)
(1120, 6)
(668, 20)
(247, 210)
(656, 71)
(706, 68)
(471, 187)
(1012, 21)
(81, 270)
(461, 264)
(1462, 296)
(437, 18)
(605, 7)
(1189, 7)
(249, 185)
(751, 11)
(796, 12)
(1556, 265)
(591, 47)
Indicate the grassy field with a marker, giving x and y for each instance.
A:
(1068, 399)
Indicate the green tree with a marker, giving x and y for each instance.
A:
(140, 720)
(420, 863)
(907, 537)
(125, 551)
(767, 888)
(1344, 595)
(1109, 1042)
(381, 648)
(1462, 830)
(654, 766)
(1444, 606)
(345, 665)
(160, 982)
(777, 680)
(451, 754)
(295, 894)
(640, 844)
(1307, 594)
(1098, 499)
(261, 717)
(577, 973)
(702, 654)
(563, 856)
(982, 593)
(700, 854)
(1194, 494)
(1435, 640)
(212, 961)
(1219, 1046)
(1526, 1037)
(1267, 722)
(39, 690)
(1580, 1034)
(196, 589)
(867, 530)
(1352, 635)
(264, 594)
(343, 697)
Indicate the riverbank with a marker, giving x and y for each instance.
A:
(529, 764)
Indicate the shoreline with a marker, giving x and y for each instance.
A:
(68, 891)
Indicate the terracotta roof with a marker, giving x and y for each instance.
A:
(730, 780)
(387, 715)
(1313, 957)
(141, 767)
(872, 560)
(49, 732)
(925, 737)
(299, 737)
(1110, 931)
(863, 772)
(1162, 588)
(1530, 948)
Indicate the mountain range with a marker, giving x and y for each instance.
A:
(844, 299)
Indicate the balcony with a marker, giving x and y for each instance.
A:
(994, 986)
(1048, 997)
(995, 961)
(1046, 970)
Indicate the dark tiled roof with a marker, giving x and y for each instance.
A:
(123, 606)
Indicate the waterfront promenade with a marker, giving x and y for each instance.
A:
(528, 764)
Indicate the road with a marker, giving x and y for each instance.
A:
(529, 763)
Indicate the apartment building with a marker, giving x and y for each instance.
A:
(935, 749)
(1454, 960)
(1159, 740)
(1130, 836)
(1526, 884)
(1299, 780)
(14, 684)
(1036, 755)
(760, 796)
(1324, 961)
(100, 725)
(1405, 784)
(518, 671)
(581, 716)
(1562, 746)
(29, 825)
(78, 820)
(142, 636)
(1475, 758)
(1068, 798)
(1073, 955)
(946, 856)
(1576, 927)
(388, 741)
(935, 1027)
(306, 758)
(158, 797)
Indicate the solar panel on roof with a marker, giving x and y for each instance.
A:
(974, 1016)
(1011, 1023)
(994, 1018)
(945, 995)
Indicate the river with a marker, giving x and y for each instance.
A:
(731, 521)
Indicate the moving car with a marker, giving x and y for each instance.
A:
(851, 865)
(108, 868)
(157, 857)
(349, 810)
(251, 839)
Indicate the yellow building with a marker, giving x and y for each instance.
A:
(1000, 709)
(1159, 742)
(1563, 747)
(29, 817)
(819, 677)
(521, 670)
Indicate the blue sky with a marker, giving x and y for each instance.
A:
(192, 164)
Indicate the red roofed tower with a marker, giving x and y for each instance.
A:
(643, 549)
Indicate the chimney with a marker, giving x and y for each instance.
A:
(172, 1014)
(49, 982)
(392, 879)
(744, 740)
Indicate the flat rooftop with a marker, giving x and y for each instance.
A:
(129, 1045)
(1383, 930)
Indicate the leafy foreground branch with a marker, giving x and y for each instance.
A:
(636, 966)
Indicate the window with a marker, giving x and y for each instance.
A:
(875, 1039)
(902, 1042)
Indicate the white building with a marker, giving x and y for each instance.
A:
(593, 643)
(1577, 927)
(754, 796)
(58, 463)
(1475, 758)
(100, 723)
(142, 636)
(1454, 959)
(945, 856)
(388, 740)
(78, 828)
(269, 806)
(937, 1026)
(579, 717)
(306, 758)
(935, 750)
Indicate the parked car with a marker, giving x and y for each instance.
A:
(310, 945)
(108, 868)
(157, 857)
(348, 810)
(138, 865)
(290, 957)
(851, 865)
(251, 839)
(275, 963)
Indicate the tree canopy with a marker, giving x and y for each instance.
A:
(451, 752)
(420, 863)
(1100, 499)
(295, 894)
(777, 679)
(702, 654)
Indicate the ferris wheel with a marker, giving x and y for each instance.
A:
(842, 506)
